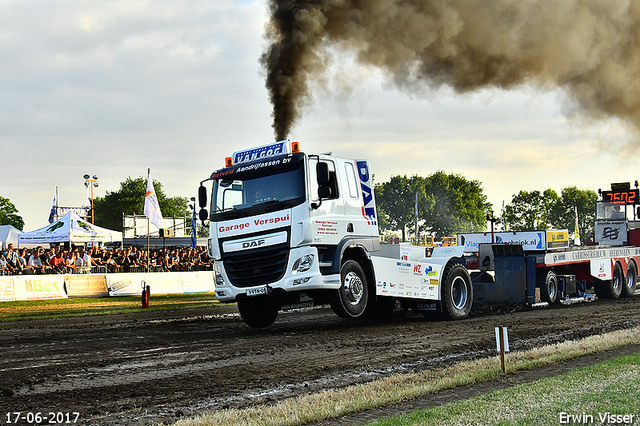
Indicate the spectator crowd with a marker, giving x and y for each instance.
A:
(75, 260)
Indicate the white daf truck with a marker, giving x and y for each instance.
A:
(290, 230)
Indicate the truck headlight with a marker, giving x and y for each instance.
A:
(217, 269)
(303, 264)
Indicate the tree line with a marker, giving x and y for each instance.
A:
(446, 203)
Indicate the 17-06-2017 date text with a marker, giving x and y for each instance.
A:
(45, 418)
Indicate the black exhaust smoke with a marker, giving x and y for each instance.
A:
(590, 48)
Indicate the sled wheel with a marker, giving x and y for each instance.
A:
(631, 282)
(549, 288)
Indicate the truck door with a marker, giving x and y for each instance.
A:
(328, 220)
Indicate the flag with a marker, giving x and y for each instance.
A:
(87, 201)
(151, 205)
(52, 214)
(577, 231)
(416, 211)
(193, 227)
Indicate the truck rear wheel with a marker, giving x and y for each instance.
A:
(259, 312)
(549, 288)
(457, 292)
(350, 300)
(610, 289)
(631, 282)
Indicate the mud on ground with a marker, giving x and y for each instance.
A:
(159, 366)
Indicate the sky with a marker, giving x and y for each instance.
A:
(112, 88)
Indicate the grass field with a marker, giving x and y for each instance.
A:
(604, 393)
(59, 308)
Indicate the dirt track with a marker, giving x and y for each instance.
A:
(160, 366)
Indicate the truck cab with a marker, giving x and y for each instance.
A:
(283, 224)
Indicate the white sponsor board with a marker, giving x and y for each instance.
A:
(197, 282)
(32, 287)
(590, 253)
(601, 268)
(409, 279)
(611, 232)
(129, 284)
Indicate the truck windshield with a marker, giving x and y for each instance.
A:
(258, 187)
(612, 211)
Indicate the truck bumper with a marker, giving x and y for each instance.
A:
(296, 278)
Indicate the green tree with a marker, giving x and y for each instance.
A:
(531, 210)
(396, 203)
(9, 214)
(129, 200)
(458, 204)
(447, 203)
(572, 201)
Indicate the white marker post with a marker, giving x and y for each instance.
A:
(502, 343)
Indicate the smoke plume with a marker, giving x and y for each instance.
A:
(590, 48)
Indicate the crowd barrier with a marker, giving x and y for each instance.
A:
(42, 287)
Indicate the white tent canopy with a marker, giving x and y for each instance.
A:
(8, 234)
(71, 228)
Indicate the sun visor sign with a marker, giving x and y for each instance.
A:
(270, 150)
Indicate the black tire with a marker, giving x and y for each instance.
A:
(549, 288)
(457, 292)
(631, 281)
(610, 289)
(351, 299)
(259, 312)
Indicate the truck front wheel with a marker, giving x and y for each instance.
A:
(350, 300)
(259, 312)
(457, 292)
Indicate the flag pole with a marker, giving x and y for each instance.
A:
(148, 222)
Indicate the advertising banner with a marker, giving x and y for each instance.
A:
(86, 285)
(406, 278)
(611, 232)
(529, 240)
(32, 287)
(197, 282)
(8, 290)
(131, 284)
(39, 287)
(42, 287)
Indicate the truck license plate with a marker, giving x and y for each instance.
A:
(257, 291)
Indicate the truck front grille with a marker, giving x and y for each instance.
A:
(257, 267)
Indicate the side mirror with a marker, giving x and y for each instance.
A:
(322, 172)
(324, 192)
(323, 177)
(203, 214)
(202, 196)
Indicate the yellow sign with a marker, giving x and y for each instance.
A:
(557, 239)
